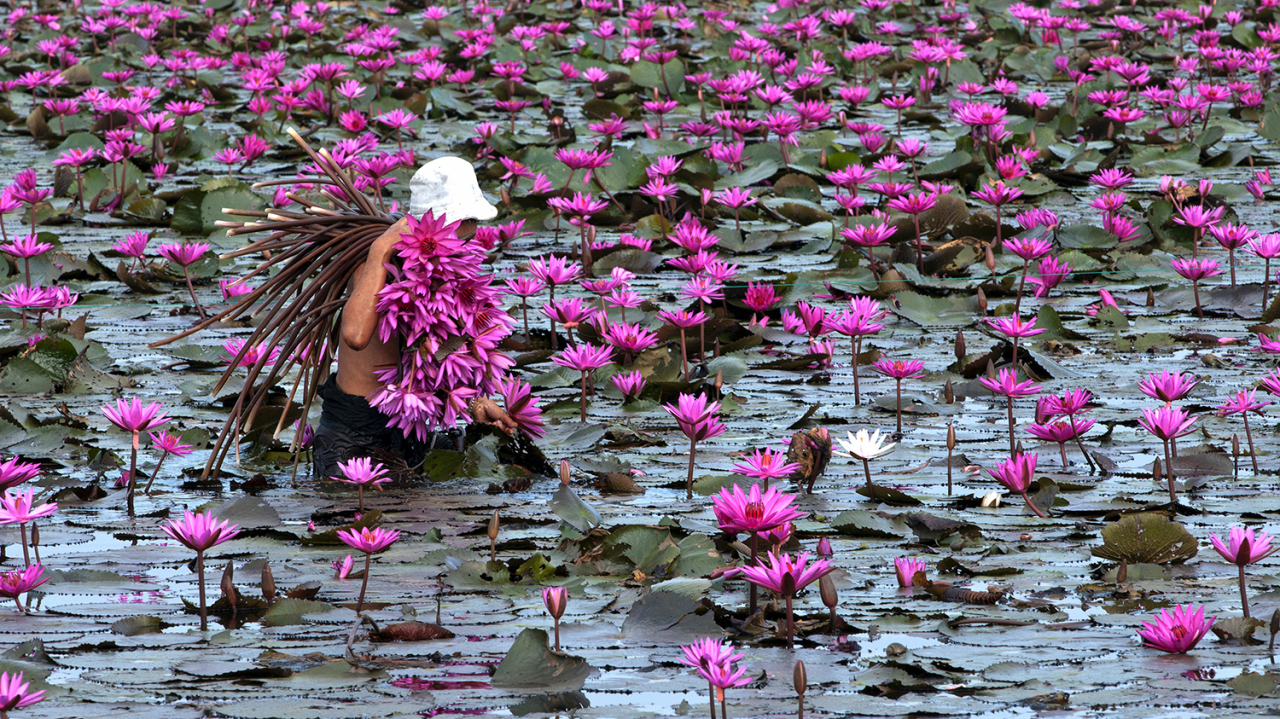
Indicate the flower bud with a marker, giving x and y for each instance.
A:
(268, 583)
(565, 472)
(951, 437)
(824, 547)
(960, 353)
(555, 598)
(827, 590)
(228, 584)
(800, 678)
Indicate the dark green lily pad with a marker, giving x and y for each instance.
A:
(1146, 538)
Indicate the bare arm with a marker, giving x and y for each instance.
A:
(359, 315)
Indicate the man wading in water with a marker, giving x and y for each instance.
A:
(349, 426)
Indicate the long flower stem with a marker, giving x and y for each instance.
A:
(755, 541)
(1072, 419)
(684, 355)
(866, 469)
(711, 692)
(364, 583)
(899, 407)
(791, 624)
(204, 612)
(552, 320)
(26, 553)
(1168, 471)
(190, 288)
(154, 473)
(688, 483)
(360, 497)
(1013, 448)
(1017, 305)
(584, 396)
(1248, 434)
(1266, 282)
(1195, 288)
(557, 631)
(1244, 595)
(1033, 506)
(133, 471)
(857, 392)
(702, 335)
(919, 246)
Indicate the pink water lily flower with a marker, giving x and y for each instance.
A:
(906, 568)
(1168, 423)
(696, 418)
(15, 693)
(753, 511)
(1242, 548)
(784, 576)
(1176, 631)
(343, 569)
(199, 533)
(362, 472)
(20, 581)
(765, 464)
(367, 541)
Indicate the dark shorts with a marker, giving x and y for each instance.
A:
(349, 427)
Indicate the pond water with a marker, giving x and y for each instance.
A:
(115, 630)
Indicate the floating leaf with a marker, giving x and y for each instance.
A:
(532, 664)
(668, 618)
(576, 513)
(291, 611)
(1149, 538)
(860, 523)
(132, 626)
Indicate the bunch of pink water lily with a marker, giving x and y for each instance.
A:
(441, 304)
(768, 514)
(20, 507)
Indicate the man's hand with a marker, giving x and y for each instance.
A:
(486, 411)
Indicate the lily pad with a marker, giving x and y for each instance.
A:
(531, 664)
(1146, 538)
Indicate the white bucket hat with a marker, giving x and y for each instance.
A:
(448, 186)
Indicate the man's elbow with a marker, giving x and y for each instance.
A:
(356, 339)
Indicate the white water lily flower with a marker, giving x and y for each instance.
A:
(865, 446)
(992, 499)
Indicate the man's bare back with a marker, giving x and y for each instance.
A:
(360, 350)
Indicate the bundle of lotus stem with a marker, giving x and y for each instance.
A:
(317, 251)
